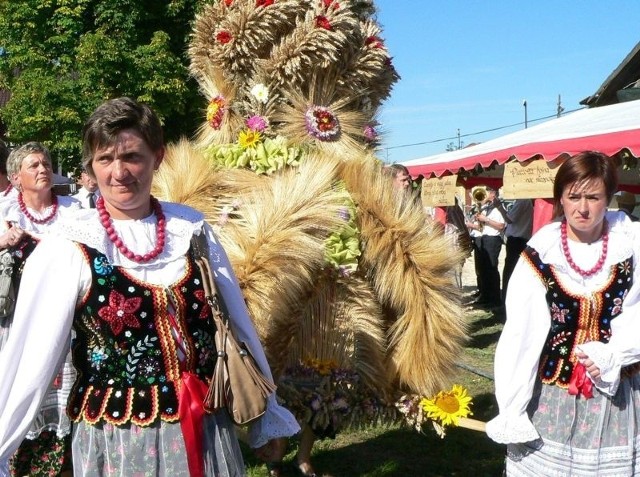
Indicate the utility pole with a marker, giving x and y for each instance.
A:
(560, 108)
(459, 143)
(524, 103)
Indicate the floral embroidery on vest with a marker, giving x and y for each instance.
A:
(576, 319)
(128, 359)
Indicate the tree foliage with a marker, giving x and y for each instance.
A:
(61, 58)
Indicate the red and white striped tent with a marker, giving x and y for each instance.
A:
(608, 129)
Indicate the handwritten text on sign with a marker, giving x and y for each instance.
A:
(529, 180)
(439, 191)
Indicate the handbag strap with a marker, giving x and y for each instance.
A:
(200, 247)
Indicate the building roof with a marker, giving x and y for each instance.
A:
(623, 84)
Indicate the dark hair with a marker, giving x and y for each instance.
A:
(581, 168)
(114, 116)
(4, 154)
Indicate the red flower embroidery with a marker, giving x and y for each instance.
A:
(223, 37)
(228, 2)
(263, 3)
(120, 311)
(199, 294)
(328, 3)
(323, 22)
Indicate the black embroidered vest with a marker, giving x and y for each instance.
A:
(125, 350)
(576, 319)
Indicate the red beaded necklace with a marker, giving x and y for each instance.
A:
(48, 218)
(567, 254)
(105, 220)
(7, 190)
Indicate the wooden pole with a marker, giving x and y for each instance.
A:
(472, 424)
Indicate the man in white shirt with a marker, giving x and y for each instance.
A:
(517, 233)
(88, 193)
(493, 221)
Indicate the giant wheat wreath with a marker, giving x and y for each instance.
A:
(349, 285)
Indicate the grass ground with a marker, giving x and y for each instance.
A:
(394, 451)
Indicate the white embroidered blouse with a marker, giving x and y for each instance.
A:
(528, 322)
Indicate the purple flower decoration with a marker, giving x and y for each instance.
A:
(370, 134)
(344, 214)
(256, 123)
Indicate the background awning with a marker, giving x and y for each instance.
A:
(608, 129)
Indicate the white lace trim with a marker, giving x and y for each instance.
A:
(276, 422)
(609, 367)
(138, 235)
(514, 430)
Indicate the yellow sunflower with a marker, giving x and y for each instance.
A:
(448, 406)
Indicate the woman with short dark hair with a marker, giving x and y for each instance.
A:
(124, 277)
(566, 365)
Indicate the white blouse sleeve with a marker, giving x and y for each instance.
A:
(39, 337)
(277, 421)
(517, 356)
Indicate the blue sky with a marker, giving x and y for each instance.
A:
(469, 65)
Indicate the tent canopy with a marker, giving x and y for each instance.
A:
(608, 129)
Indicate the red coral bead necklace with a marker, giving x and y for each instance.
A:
(7, 190)
(107, 223)
(567, 253)
(44, 220)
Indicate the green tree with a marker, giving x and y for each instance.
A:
(61, 58)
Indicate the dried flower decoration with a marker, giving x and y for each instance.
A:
(323, 22)
(370, 133)
(260, 92)
(223, 37)
(215, 111)
(322, 123)
(249, 138)
(256, 123)
(374, 42)
(331, 3)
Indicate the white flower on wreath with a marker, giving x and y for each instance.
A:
(260, 92)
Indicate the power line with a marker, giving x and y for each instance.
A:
(459, 136)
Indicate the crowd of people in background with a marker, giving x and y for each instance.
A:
(100, 255)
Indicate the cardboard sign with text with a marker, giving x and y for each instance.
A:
(529, 180)
(439, 191)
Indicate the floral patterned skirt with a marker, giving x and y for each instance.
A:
(45, 456)
(156, 451)
(581, 437)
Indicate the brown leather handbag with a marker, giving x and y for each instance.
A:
(237, 382)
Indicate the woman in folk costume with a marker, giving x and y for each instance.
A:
(33, 213)
(123, 277)
(347, 282)
(566, 365)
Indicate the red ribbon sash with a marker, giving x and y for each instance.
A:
(191, 412)
(580, 382)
